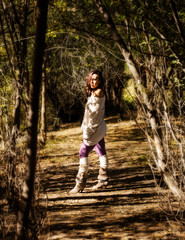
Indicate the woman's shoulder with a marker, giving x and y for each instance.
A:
(99, 93)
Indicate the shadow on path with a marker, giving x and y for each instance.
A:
(127, 209)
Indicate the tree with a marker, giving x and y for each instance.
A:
(43, 106)
(73, 51)
(150, 110)
(31, 149)
(15, 31)
(140, 40)
(13, 23)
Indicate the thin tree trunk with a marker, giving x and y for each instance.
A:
(43, 106)
(168, 178)
(31, 149)
(177, 20)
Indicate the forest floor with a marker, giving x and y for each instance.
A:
(128, 209)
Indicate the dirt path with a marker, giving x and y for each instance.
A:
(127, 209)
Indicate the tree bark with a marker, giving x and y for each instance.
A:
(157, 137)
(19, 48)
(18, 52)
(31, 148)
(43, 106)
(177, 20)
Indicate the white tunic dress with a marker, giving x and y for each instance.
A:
(93, 125)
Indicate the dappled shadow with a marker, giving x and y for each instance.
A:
(77, 227)
(120, 179)
(63, 178)
(130, 135)
(126, 209)
(74, 216)
(47, 157)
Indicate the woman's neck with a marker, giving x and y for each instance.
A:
(94, 89)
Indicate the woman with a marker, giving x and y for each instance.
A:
(94, 131)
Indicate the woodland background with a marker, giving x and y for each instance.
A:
(46, 50)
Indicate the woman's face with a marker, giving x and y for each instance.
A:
(94, 82)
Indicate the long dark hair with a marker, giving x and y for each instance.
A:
(88, 79)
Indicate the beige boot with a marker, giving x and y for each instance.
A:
(79, 187)
(100, 185)
(81, 176)
(103, 175)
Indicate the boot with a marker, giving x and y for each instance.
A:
(103, 176)
(100, 185)
(79, 187)
(81, 176)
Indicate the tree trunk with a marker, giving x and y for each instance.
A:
(43, 106)
(19, 49)
(157, 141)
(18, 53)
(31, 149)
(177, 20)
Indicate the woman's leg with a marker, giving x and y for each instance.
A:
(85, 150)
(100, 148)
(81, 176)
(103, 171)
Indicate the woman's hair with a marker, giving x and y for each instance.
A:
(88, 79)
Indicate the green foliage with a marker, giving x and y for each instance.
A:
(2, 52)
(79, 40)
(128, 95)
